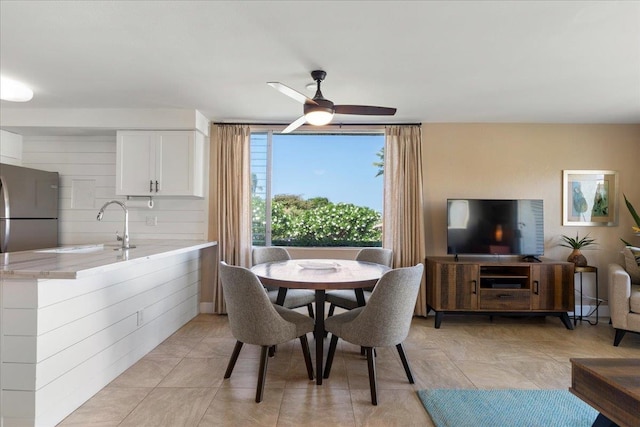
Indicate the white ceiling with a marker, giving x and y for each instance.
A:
(438, 61)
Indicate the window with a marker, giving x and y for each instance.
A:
(317, 189)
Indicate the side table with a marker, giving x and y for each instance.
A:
(581, 271)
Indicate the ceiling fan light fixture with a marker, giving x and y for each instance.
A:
(15, 91)
(319, 111)
(318, 117)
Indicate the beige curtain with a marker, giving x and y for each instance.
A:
(232, 204)
(403, 224)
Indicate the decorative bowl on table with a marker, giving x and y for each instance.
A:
(318, 265)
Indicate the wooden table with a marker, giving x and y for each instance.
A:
(612, 386)
(319, 275)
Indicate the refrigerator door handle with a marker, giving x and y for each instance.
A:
(7, 223)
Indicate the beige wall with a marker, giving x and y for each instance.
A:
(518, 161)
(526, 161)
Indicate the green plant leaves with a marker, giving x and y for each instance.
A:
(577, 242)
(634, 214)
(316, 222)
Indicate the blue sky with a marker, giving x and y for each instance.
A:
(337, 167)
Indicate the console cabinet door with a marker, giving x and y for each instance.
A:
(453, 286)
(552, 287)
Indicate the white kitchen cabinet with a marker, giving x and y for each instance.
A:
(160, 163)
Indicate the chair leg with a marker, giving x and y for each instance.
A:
(619, 334)
(332, 351)
(332, 308)
(307, 355)
(262, 373)
(371, 363)
(234, 358)
(405, 363)
(310, 309)
(362, 352)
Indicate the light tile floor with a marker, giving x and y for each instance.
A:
(180, 382)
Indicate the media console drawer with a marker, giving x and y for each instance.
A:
(505, 299)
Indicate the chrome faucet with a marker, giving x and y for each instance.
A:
(125, 237)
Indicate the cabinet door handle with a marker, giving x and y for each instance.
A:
(505, 296)
(156, 186)
(150, 186)
(475, 286)
(536, 287)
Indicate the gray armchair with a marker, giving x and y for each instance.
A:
(346, 298)
(294, 297)
(383, 322)
(624, 302)
(253, 319)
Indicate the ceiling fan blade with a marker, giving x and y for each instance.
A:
(365, 110)
(295, 125)
(292, 93)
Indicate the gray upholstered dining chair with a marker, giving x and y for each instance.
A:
(346, 298)
(383, 322)
(253, 319)
(295, 297)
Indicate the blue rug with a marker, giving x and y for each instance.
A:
(512, 408)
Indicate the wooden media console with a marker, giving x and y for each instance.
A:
(482, 286)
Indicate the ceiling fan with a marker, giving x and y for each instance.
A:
(319, 110)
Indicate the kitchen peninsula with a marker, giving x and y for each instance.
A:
(74, 318)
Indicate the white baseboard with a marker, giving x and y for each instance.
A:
(603, 311)
(206, 307)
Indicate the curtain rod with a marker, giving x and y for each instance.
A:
(329, 125)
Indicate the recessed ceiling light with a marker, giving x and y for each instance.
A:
(312, 86)
(12, 90)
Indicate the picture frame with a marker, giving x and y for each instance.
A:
(590, 198)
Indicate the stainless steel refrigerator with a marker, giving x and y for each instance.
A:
(28, 208)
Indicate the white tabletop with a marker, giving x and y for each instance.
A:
(320, 273)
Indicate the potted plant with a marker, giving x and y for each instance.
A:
(577, 244)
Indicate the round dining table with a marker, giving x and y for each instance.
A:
(320, 275)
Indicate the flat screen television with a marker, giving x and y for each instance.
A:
(495, 227)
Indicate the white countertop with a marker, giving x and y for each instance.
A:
(75, 261)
